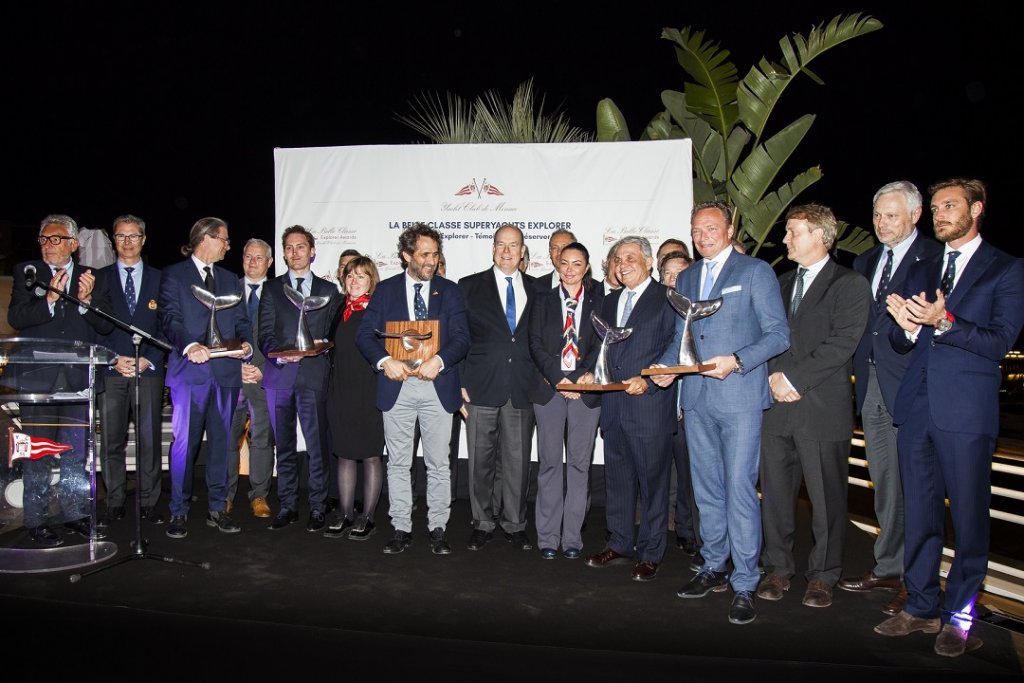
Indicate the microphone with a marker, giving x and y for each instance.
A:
(30, 281)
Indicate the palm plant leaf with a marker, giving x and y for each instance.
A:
(708, 156)
(611, 124)
(857, 241)
(757, 172)
(761, 88)
(713, 96)
(757, 219)
(447, 121)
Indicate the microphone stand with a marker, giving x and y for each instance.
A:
(139, 544)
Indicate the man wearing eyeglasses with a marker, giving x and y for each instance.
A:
(43, 314)
(204, 390)
(134, 288)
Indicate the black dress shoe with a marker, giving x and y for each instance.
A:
(150, 515)
(283, 519)
(339, 528)
(703, 583)
(519, 539)
(113, 514)
(83, 528)
(697, 562)
(398, 543)
(438, 545)
(316, 522)
(687, 545)
(870, 582)
(176, 528)
(742, 610)
(645, 570)
(607, 557)
(478, 539)
(45, 536)
(222, 523)
(362, 531)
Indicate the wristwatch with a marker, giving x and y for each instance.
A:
(739, 364)
(945, 324)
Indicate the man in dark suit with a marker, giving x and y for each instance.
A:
(296, 385)
(429, 393)
(878, 370)
(637, 424)
(252, 401)
(559, 238)
(134, 288)
(725, 405)
(806, 433)
(204, 390)
(41, 314)
(958, 316)
(496, 378)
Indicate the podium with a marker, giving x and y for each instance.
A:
(43, 381)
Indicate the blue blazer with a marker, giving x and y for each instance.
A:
(546, 342)
(183, 320)
(278, 323)
(653, 321)
(961, 366)
(444, 303)
(751, 323)
(145, 318)
(889, 365)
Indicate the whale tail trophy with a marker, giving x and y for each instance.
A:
(214, 303)
(303, 340)
(609, 335)
(690, 311)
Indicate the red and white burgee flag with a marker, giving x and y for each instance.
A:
(32, 447)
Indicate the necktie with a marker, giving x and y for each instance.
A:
(254, 303)
(709, 280)
(298, 285)
(798, 291)
(418, 305)
(883, 282)
(950, 275)
(510, 306)
(570, 351)
(628, 308)
(129, 290)
(208, 280)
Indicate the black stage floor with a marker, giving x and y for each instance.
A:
(292, 602)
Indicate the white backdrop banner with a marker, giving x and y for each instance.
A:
(363, 197)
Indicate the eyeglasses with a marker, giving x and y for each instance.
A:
(225, 240)
(55, 240)
(128, 238)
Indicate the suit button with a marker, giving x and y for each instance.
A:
(875, 333)
(513, 339)
(702, 336)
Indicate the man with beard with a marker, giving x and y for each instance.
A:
(958, 315)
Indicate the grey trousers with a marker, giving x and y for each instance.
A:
(418, 400)
(505, 432)
(252, 403)
(884, 468)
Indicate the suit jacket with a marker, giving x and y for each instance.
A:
(30, 315)
(445, 303)
(498, 366)
(546, 343)
(961, 366)
(145, 317)
(889, 365)
(823, 335)
(751, 323)
(278, 324)
(183, 320)
(542, 283)
(653, 322)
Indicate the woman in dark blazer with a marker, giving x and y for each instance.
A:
(564, 347)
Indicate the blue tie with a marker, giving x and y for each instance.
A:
(510, 306)
(298, 285)
(628, 308)
(418, 305)
(129, 290)
(254, 303)
(709, 280)
(949, 277)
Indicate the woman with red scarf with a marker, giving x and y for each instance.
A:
(357, 427)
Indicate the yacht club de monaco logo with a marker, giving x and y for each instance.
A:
(479, 189)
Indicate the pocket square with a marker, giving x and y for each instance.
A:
(730, 290)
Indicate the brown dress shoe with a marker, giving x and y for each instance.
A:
(953, 642)
(605, 558)
(905, 623)
(870, 582)
(645, 570)
(895, 606)
(818, 594)
(772, 587)
(260, 507)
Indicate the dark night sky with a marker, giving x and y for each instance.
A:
(173, 112)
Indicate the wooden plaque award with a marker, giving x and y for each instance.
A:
(411, 341)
